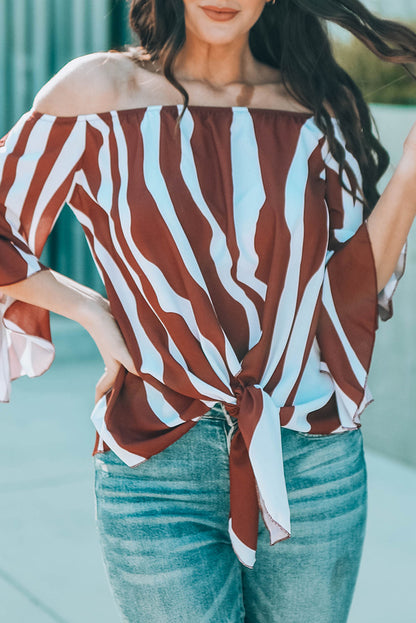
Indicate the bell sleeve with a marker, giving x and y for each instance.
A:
(39, 158)
(351, 306)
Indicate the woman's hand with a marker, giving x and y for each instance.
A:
(106, 334)
(60, 294)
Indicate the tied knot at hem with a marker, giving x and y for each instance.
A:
(241, 389)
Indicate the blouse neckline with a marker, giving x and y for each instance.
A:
(192, 107)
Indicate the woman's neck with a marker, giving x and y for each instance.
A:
(217, 65)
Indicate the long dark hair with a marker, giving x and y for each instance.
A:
(291, 36)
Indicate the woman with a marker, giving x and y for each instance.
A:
(242, 288)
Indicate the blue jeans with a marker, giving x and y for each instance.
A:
(163, 531)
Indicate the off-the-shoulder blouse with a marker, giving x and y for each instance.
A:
(238, 268)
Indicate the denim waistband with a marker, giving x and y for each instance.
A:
(219, 412)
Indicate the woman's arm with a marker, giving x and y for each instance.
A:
(38, 148)
(57, 293)
(390, 222)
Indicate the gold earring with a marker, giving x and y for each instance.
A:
(270, 2)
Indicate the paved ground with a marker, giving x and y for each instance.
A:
(50, 561)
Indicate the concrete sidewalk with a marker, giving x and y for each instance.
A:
(50, 562)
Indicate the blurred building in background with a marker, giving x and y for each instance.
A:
(37, 37)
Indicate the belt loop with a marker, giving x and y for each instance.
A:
(233, 426)
(227, 415)
(229, 436)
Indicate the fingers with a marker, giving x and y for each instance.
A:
(106, 382)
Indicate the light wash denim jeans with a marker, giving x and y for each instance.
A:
(166, 550)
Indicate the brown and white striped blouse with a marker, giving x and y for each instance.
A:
(238, 268)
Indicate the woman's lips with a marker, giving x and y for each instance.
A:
(219, 15)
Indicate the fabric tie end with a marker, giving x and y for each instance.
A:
(245, 554)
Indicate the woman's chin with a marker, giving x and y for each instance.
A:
(222, 34)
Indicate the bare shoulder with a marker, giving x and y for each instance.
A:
(87, 84)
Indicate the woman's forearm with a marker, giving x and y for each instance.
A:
(68, 298)
(390, 222)
(59, 294)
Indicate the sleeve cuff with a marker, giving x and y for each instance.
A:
(385, 298)
(26, 347)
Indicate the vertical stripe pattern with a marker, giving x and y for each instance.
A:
(237, 267)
